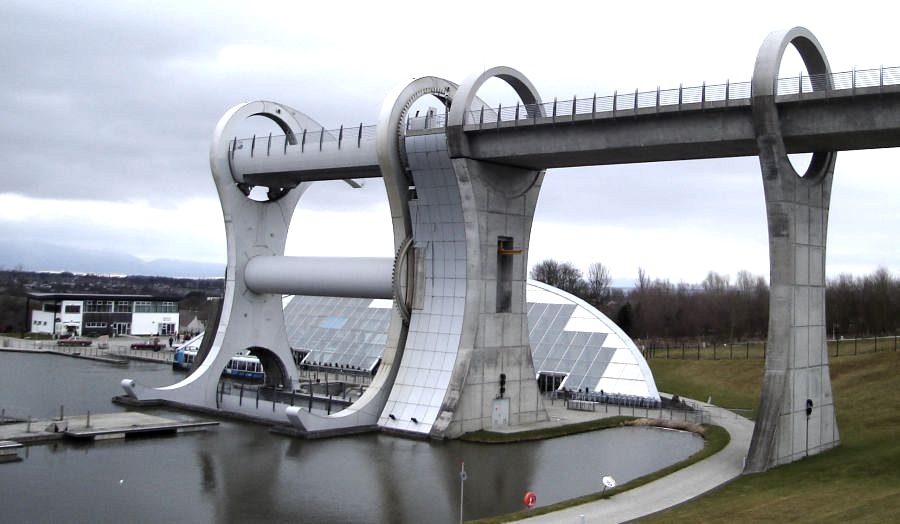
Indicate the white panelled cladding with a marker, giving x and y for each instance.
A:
(435, 329)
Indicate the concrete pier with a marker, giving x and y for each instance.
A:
(99, 426)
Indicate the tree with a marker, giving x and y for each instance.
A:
(598, 284)
(623, 318)
(563, 275)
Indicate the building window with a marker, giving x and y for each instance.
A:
(98, 306)
(72, 308)
(123, 306)
(143, 306)
(146, 306)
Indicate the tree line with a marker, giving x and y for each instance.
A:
(719, 309)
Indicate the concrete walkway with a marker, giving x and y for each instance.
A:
(117, 352)
(674, 489)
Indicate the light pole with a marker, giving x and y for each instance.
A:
(462, 480)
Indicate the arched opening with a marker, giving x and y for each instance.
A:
(260, 131)
(793, 77)
(261, 359)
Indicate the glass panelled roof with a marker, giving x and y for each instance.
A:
(569, 338)
(348, 332)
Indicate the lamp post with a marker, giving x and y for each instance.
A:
(462, 481)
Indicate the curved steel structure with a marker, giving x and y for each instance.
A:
(457, 356)
(249, 322)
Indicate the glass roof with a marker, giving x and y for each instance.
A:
(569, 338)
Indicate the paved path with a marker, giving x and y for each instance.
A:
(681, 486)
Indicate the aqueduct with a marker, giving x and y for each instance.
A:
(462, 184)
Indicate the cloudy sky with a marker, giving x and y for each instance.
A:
(108, 109)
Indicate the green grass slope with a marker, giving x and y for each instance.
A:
(859, 481)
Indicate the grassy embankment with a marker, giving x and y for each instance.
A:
(859, 481)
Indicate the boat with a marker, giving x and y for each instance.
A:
(245, 367)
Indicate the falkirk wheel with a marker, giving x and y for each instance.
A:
(459, 328)
(459, 331)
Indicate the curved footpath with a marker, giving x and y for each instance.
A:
(674, 489)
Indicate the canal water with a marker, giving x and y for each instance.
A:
(241, 472)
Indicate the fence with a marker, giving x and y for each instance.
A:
(111, 352)
(683, 412)
(750, 350)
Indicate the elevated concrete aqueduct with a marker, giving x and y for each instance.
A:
(462, 220)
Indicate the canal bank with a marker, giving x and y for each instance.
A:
(390, 479)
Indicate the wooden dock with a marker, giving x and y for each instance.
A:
(101, 426)
(9, 451)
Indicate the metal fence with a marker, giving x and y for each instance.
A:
(111, 352)
(750, 350)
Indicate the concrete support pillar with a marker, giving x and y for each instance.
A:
(249, 321)
(494, 382)
(796, 372)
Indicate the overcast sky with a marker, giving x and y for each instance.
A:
(108, 110)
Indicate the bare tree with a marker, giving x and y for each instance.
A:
(643, 280)
(563, 275)
(546, 271)
(598, 284)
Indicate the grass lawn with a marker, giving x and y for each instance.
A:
(859, 481)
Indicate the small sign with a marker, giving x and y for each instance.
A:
(530, 499)
(609, 482)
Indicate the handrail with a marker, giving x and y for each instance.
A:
(562, 110)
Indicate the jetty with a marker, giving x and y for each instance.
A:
(89, 426)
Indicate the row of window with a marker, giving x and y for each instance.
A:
(145, 306)
(104, 306)
(118, 306)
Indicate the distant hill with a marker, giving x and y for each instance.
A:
(40, 256)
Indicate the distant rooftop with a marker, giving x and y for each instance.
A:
(99, 296)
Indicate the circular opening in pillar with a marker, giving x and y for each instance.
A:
(259, 132)
(793, 78)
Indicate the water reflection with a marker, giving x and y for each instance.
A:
(242, 472)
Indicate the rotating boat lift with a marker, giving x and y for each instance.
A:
(457, 357)
(454, 222)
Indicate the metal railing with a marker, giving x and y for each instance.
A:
(566, 110)
(113, 352)
(306, 141)
(668, 99)
(756, 350)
